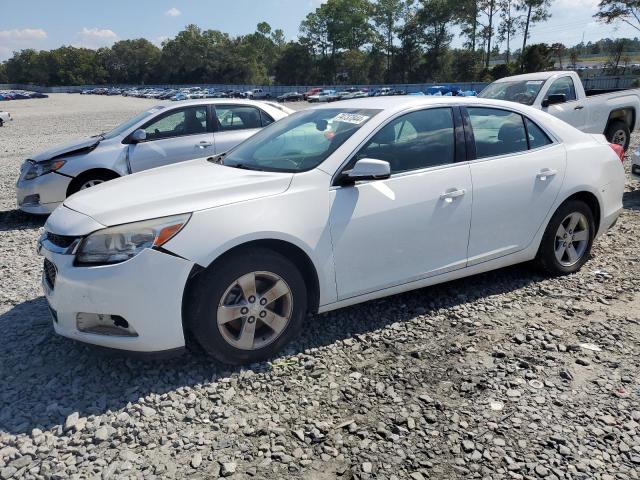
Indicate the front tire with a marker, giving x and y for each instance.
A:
(567, 241)
(88, 180)
(247, 306)
(618, 132)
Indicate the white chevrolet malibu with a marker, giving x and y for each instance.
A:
(326, 208)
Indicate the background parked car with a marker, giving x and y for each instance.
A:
(290, 97)
(310, 92)
(160, 136)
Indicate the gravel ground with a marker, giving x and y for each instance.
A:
(502, 375)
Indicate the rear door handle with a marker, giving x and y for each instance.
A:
(579, 107)
(546, 172)
(204, 144)
(450, 195)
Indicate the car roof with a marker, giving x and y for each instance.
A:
(401, 102)
(534, 76)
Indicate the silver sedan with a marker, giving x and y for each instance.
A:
(162, 135)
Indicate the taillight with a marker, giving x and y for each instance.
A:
(618, 149)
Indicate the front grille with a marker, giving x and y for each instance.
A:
(62, 241)
(50, 272)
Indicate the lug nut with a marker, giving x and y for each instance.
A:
(252, 299)
(244, 310)
(263, 314)
(251, 319)
(263, 301)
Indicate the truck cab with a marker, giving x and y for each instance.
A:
(562, 94)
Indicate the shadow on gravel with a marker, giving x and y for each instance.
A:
(44, 377)
(631, 200)
(18, 220)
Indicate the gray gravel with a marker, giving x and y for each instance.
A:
(503, 375)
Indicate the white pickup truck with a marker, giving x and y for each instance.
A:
(257, 93)
(610, 112)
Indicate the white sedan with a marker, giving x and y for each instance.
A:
(329, 207)
(160, 136)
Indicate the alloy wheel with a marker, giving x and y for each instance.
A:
(90, 183)
(254, 310)
(572, 239)
(619, 138)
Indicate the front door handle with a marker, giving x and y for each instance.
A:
(546, 172)
(579, 107)
(204, 144)
(450, 195)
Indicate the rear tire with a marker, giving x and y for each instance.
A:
(567, 240)
(237, 326)
(618, 132)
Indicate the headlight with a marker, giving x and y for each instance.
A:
(120, 243)
(35, 169)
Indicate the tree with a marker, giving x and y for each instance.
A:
(537, 58)
(490, 9)
(627, 11)
(509, 23)
(558, 50)
(295, 65)
(386, 14)
(434, 18)
(535, 11)
(132, 61)
(467, 18)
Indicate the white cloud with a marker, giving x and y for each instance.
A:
(95, 37)
(173, 12)
(19, 39)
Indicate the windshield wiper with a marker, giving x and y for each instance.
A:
(243, 166)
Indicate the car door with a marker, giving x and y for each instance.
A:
(412, 225)
(516, 176)
(174, 136)
(236, 123)
(572, 111)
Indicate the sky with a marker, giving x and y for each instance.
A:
(47, 24)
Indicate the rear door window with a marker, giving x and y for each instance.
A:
(497, 132)
(237, 117)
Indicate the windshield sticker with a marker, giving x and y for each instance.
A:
(354, 118)
(535, 82)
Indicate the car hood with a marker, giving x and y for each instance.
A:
(179, 188)
(72, 148)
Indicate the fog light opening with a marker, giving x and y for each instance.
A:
(31, 200)
(104, 324)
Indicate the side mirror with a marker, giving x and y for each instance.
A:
(554, 99)
(138, 136)
(369, 169)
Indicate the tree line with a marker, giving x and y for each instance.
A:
(342, 41)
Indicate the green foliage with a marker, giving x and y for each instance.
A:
(625, 11)
(341, 41)
(537, 58)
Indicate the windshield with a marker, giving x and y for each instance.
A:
(522, 91)
(299, 142)
(123, 127)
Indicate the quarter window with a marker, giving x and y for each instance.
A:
(563, 86)
(414, 141)
(237, 117)
(537, 138)
(186, 121)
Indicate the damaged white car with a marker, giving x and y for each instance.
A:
(160, 136)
